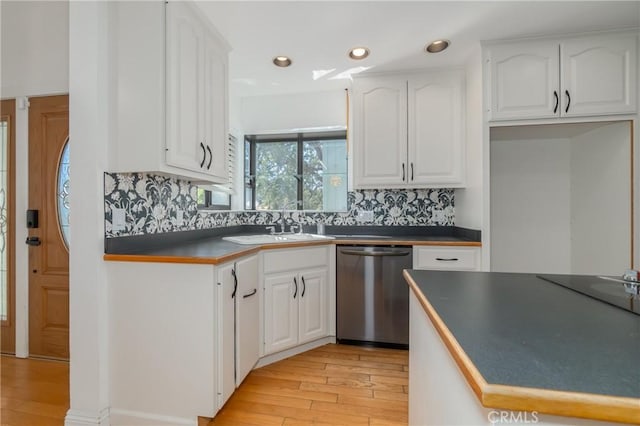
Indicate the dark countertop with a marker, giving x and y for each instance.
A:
(520, 330)
(209, 247)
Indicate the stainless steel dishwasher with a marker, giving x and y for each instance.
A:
(372, 303)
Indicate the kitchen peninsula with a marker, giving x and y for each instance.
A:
(486, 345)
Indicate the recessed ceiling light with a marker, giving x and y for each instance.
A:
(359, 53)
(282, 61)
(437, 46)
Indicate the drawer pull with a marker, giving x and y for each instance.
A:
(449, 259)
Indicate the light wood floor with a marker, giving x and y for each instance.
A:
(34, 392)
(330, 385)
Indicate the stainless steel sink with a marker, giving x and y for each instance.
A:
(275, 238)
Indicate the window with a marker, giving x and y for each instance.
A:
(4, 228)
(213, 199)
(218, 197)
(305, 171)
(62, 199)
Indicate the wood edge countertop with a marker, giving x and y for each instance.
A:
(561, 403)
(251, 249)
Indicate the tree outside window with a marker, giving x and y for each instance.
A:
(300, 171)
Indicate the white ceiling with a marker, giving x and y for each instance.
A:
(318, 34)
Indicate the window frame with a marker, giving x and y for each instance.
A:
(208, 204)
(300, 138)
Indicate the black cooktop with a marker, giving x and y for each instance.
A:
(603, 289)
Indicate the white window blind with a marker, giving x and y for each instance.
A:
(232, 147)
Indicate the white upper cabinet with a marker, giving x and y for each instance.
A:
(408, 130)
(525, 80)
(573, 77)
(196, 93)
(435, 137)
(599, 75)
(380, 132)
(169, 100)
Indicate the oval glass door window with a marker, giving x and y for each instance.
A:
(62, 199)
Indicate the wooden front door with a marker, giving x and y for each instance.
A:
(7, 280)
(48, 260)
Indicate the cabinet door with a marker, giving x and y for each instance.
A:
(436, 129)
(247, 317)
(185, 38)
(599, 75)
(226, 333)
(524, 80)
(380, 133)
(215, 108)
(312, 305)
(281, 292)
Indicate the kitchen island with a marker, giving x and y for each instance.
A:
(498, 347)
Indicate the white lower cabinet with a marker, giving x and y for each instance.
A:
(163, 342)
(454, 258)
(295, 285)
(281, 312)
(312, 305)
(238, 324)
(247, 317)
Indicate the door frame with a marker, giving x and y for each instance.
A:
(8, 343)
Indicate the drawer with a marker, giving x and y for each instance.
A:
(448, 258)
(295, 259)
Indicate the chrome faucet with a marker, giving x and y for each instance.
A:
(283, 222)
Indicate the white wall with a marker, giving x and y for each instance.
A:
(468, 200)
(35, 48)
(287, 113)
(34, 62)
(601, 200)
(530, 206)
(89, 127)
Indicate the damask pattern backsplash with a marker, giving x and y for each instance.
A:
(152, 202)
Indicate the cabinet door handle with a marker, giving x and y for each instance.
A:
(555, 108)
(566, 92)
(447, 259)
(295, 292)
(204, 155)
(210, 157)
(235, 283)
(255, 290)
(403, 172)
(411, 172)
(304, 287)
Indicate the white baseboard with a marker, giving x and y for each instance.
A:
(83, 418)
(279, 356)
(131, 418)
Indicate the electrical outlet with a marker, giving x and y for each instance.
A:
(365, 216)
(118, 219)
(179, 217)
(438, 216)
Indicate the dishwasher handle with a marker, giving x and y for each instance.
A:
(375, 253)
